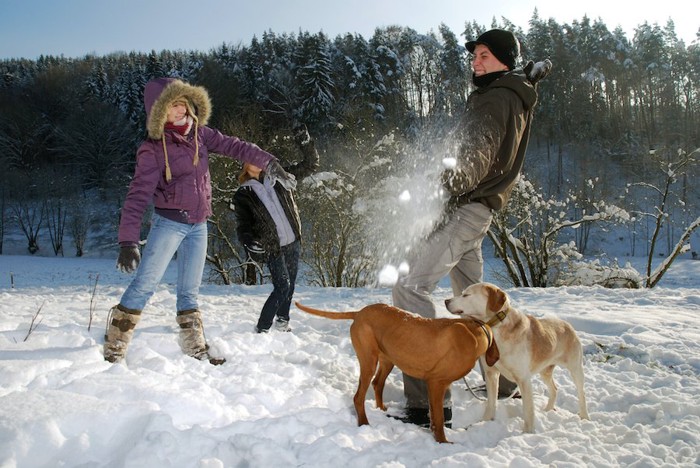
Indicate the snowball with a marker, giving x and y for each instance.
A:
(405, 196)
(449, 163)
(388, 276)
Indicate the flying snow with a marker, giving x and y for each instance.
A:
(388, 276)
(449, 163)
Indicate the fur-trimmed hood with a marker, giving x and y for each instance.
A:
(161, 92)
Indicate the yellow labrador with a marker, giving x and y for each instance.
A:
(527, 346)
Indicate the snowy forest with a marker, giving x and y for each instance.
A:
(612, 155)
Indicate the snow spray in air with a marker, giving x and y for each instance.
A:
(406, 206)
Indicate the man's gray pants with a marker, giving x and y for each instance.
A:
(454, 249)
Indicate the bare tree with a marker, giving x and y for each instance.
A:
(337, 253)
(527, 233)
(56, 222)
(30, 217)
(671, 169)
(79, 225)
(681, 246)
(223, 256)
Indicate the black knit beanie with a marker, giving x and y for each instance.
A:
(502, 44)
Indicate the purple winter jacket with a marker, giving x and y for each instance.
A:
(189, 189)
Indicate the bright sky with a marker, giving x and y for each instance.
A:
(74, 28)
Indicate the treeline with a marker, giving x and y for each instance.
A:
(70, 126)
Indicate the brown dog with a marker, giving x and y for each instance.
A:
(438, 351)
(527, 346)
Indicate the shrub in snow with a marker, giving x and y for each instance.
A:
(527, 233)
(581, 273)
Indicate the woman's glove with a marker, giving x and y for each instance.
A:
(129, 258)
(275, 171)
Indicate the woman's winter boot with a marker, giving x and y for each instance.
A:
(192, 340)
(120, 328)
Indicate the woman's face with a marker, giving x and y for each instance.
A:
(177, 111)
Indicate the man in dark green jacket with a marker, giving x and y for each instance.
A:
(479, 178)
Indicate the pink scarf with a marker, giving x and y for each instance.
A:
(181, 126)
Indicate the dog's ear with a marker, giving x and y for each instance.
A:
(492, 354)
(496, 299)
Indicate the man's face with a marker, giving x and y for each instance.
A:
(485, 62)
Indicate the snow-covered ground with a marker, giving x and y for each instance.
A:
(285, 399)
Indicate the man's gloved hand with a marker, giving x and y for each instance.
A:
(454, 181)
(129, 258)
(275, 171)
(537, 71)
(257, 252)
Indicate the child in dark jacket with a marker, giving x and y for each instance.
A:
(269, 228)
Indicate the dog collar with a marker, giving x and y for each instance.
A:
(487, 331)
(500, 316)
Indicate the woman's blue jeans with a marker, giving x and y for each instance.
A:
(283, 270)
(165, 238)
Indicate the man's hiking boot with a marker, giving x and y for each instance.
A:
(421, 417)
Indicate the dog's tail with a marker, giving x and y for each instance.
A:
(327, 314)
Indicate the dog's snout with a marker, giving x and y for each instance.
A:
(452, 309)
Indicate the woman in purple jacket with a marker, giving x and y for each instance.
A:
(172, 173)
